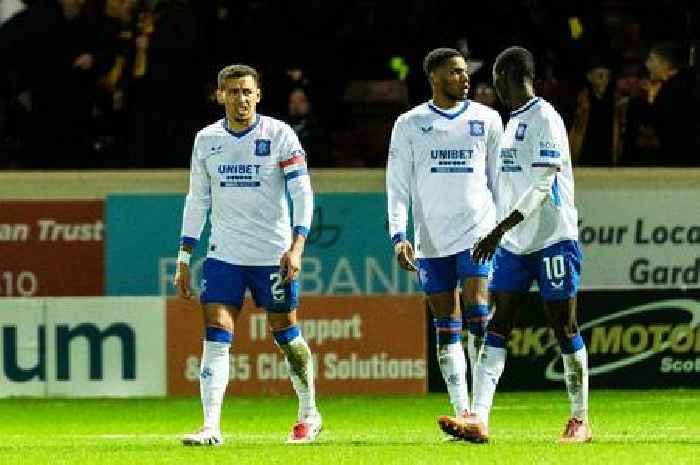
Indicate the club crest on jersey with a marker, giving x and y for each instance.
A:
(476, 128)
(520, 132)
(426, 130)
(262, 147)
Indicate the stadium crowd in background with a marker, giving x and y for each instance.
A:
(124, 83)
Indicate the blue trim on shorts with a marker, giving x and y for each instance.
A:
(215, 334)
(286, 335)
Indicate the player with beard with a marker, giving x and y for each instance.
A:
(437, 165)
(244, 167)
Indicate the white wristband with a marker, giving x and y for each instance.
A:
(184, 257)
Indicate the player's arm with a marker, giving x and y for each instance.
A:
(493, 151)
(546, 163)
(197, 205)
(399, 170)
(296, 177)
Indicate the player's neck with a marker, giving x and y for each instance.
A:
(518, 101)
(238, 126)
(445, 103)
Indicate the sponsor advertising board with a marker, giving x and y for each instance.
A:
(640, 239)
(83, 347)
(361, 345)
(630, 240)
(348, 251)
(51, 248)
(635, 339)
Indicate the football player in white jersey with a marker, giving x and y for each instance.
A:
(242, 168)
(437, 164)
(536, 239)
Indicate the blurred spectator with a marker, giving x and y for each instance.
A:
(52, 50)
(660, 124)
(674, 106)
(594, 134)
(312, 135)
(162, 94)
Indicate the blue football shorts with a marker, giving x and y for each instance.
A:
(442, 274)
(556, 268)
(226, 284)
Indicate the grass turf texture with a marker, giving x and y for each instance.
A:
(630, 427)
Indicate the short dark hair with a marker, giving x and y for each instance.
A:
(435, 58)
(237, 71)
(675, 54)
(516, 62)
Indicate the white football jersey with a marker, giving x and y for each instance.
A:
(437, 163)
(536, 139)
(243, 178)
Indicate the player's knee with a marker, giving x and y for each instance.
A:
(218, 321)
(475, 292)
(564, 331)
(281, 321)
(444, 305)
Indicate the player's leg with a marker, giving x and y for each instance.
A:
(222, 298)
(510, 281)
(438, 278)
(475, 299)
(559, 277)
(281, 301)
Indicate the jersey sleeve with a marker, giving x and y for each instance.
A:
(292, 162)
(198, 200)
(549, 147)
(548, 150)
(493, 150)
(398, 175)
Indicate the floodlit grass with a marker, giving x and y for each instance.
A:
(630, 427)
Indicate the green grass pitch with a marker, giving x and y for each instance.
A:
(630, 427)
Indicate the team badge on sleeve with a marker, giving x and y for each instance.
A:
(262, 147)
(476, 128)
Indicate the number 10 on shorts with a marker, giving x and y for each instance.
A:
(554, 267)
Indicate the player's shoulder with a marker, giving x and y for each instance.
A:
(419, 111)
(545, 113)
(214, 129)
(481, 111)
(274, 128)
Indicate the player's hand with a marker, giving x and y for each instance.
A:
(182, 281)
(486, 246)
(290, 264)
(405, 256)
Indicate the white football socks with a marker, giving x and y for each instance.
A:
(576, 375)
(475, 344)
(213, 379)
(488, 372)
(453, 366)
(300, 366)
